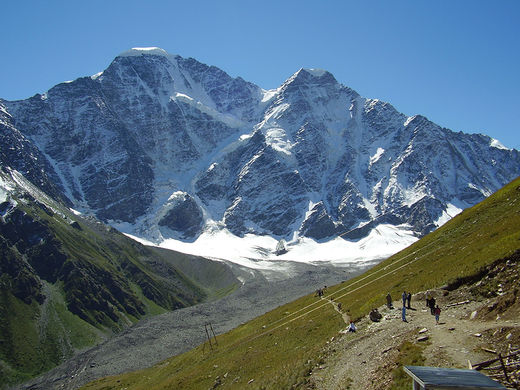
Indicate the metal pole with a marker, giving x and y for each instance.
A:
(207, 334)
(212, 331)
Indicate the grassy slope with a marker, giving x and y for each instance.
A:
(97, 249)
(277, 349)
(212, 277)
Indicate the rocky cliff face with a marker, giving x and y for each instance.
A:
(168, 145)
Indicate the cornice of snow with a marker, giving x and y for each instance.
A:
(96, 76)
(138, 51)
(497, 144)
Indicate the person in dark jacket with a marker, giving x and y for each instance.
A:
(432, 305)
(389, 301)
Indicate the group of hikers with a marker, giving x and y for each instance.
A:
(434, 309)
(406, 297)
(320, 292)
(376, 316)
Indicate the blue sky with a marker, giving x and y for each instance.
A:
(455, 61)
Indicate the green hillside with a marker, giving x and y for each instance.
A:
(278, 350)
(67, 282)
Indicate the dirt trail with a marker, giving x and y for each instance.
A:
(365, 359)
(337, 307)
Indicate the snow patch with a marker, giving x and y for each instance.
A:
(376, 156)
(176, 195)
(137, 51)
(229, 120)
(370, 207)
(497, 144)
(449, 213)
(408, 120)
(244, 137)
(96, 76)
(5, 189)
(75, 212)
(277, 139)
(267, 95)
(4, 110)
(484, 192)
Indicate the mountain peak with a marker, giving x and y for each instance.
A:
(311, 76)
(138, 51)
(314, 71)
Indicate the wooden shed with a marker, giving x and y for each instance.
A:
(436, 378)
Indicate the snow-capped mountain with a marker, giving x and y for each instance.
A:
(166, 147)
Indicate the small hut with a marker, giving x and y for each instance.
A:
(436, 378)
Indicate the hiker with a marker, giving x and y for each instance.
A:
(352, 327)
(437, 313)
(409, 300)
(339, 306)
(404, 298)
(403, 314)
(375, 316)
(432, 305)
(389, 301)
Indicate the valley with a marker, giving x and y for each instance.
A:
(155, 339)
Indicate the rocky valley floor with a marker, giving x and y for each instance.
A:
(157, 338)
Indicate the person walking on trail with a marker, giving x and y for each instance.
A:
(437, 313)
(389, 301)
(432, 305)
(404, 298)
(409, 300)
(403, 314)
(352, 327)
